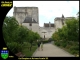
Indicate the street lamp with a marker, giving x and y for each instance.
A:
(44, 35)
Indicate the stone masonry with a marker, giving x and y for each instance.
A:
(29, 17)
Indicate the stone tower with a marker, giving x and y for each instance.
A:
(20, 13)
(59, 22)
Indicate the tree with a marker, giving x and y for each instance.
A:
(21, 34)
(32, 36)
(69, 32)
(9, 29)
(36, 36)
(55, 36)
(73, 29)
(13, 33)
(10, 24)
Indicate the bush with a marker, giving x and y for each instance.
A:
(57, 43)
(34, 44)
(74, 48)
(73, 52)
(64, 45)
(19, 47)
(68, 46)
(50, 39)
(45, 41)
(14, 47)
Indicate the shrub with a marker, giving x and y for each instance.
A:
(14, 47)
(74, 48)
(57, 43)
(64, 45)
(68, 46)
(45, 41)
(19, 47)
(34, 44)
(73, 52)
(50, 39)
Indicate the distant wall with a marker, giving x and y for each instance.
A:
(47, 34)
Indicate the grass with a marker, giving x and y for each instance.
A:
(27, 52)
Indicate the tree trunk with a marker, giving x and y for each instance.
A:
(30, 46)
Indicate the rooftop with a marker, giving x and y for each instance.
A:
(47, 24)
(29, 20)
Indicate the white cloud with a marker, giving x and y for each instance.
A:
(50, 9)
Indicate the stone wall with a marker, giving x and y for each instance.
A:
(26, 25)
(34, 27)
(58, 24)
(21, 12)
(49, 32)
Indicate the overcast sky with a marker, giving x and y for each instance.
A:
(49, 10)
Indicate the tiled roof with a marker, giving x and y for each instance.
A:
(47, 25)
(29, 20)
(57, 18)
(52, 25)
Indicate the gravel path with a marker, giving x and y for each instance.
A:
(50, 50)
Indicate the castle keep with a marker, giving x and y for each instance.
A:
(29, 17)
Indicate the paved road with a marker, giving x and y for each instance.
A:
(50, 50)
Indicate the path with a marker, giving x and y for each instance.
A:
(50, 50)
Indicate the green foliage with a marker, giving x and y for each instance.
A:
(15, 35)
(68, 32)
(50, 39)
(74, 49)
(73, 29)
(68, 36)
(21, 34)
(32, 36)
(26, 50)
(9, 26)
(14, 47)
(57, 43)
(36, 36)
(64, 45)
(46, 41)
(55, 36)
(13, 32)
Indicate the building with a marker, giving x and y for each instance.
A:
(29, 17)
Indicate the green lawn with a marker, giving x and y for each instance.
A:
(26, 50)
